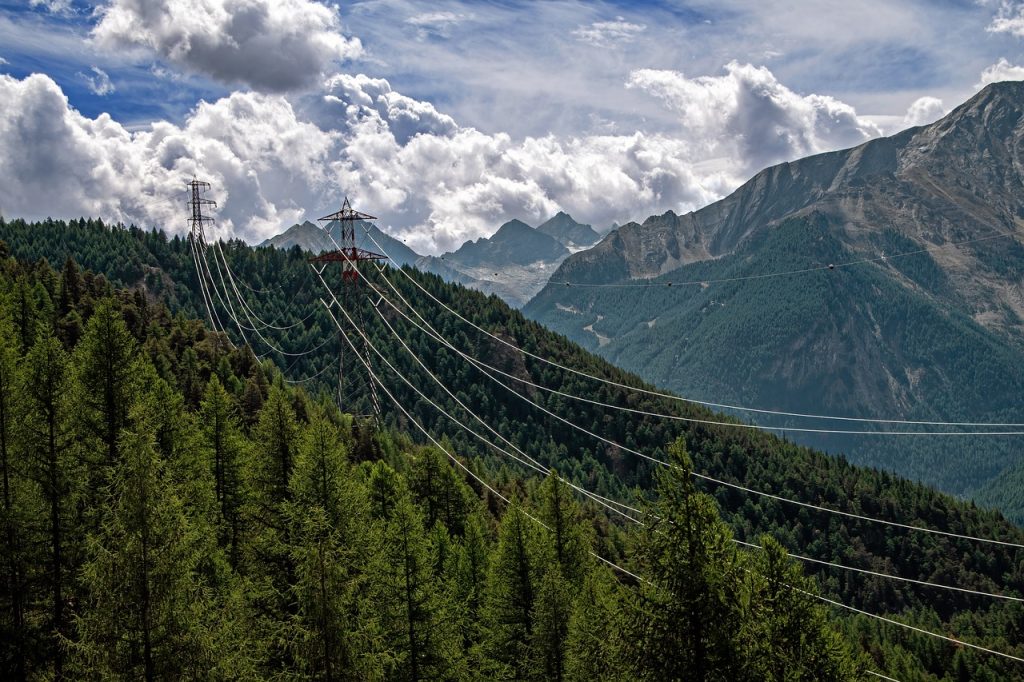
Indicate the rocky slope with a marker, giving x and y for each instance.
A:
(937, 334)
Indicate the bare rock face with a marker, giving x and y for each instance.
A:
(934, 330)
(568, 232)
(965, 168)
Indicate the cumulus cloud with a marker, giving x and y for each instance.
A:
(266, 166)
(608, 33)
(923, 111)
(99, 83)
(1009, 19)
(749, 116)
(269, 45)
(1000, 71)
(274, 159)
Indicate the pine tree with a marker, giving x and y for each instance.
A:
(107, 368)
(149, 613)
(46, 434)
(328, 517)
(511, 592)
(687, 618)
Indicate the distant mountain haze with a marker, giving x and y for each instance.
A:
(937, 335)
(513, 263)
(311, 237)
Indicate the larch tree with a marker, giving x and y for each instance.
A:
(592, 647)
(328, 515)
(790, 634)
(150, 613)
(419, 631)
(222, 443)
(14, 514)
(512, 585)
(687, 615)
(107, 369)
(46, 433)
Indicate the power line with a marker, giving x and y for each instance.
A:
(266, 325)
(230, 310)
(309, 378)
(887, 576)
(537, 467)
(452, 457)
(438, 338)
(621, 569)
(587, 493)
(785, 273)
(669, 396)
(695, 420)
(526, 459)
(922, 631)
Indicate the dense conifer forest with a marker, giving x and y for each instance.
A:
(173, 508)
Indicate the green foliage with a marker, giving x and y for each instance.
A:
(512, 586)
(148, 614)
(292, 570)
(688, 617)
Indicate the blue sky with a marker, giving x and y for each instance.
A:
(447, 118)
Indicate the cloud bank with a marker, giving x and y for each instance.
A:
(275, 159)
(750, 117)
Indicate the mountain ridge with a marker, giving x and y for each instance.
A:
(938, 335)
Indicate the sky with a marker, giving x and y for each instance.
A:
(447, 118)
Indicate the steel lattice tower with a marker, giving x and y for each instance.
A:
(350, 257)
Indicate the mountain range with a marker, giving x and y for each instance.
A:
(513, 263)
(882, 281)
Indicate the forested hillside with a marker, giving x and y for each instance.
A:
(172, 511)
(183, 355)
(918, 317)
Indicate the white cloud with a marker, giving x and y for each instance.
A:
(1009, 19)
(274, 159)
(99, 83)
(924, 110)
(1002, 70)
(3, 62)
(748, 116)
(269, 45)
(266, 166)
(608, 33)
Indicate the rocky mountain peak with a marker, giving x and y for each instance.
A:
(569, 232)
